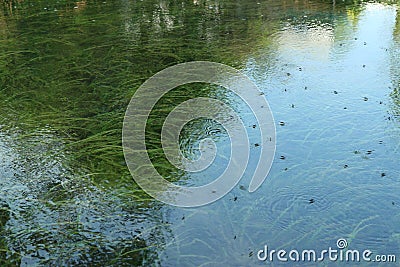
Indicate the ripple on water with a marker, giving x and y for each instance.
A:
(291, 206)
(194, 132)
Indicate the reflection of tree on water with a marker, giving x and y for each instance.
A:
(394, 110)
(4, 217)
(51, 214)
(395, 67)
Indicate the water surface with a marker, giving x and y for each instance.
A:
(330, 72)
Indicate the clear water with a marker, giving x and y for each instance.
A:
(330, 72)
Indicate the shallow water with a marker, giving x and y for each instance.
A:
(330, 73)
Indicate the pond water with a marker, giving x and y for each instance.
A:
(329, 71)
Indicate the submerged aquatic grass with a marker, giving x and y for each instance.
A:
(67, 72)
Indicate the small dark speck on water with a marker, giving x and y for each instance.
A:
(183, 217)
(292, 106)
(365, 98)
(393, 203)
(357, 152)
(363, 66)
(365, 43)
(383, 174)
(311, 201)
(287, 73)
(369, 152)
(242, 187)
(250, 254)
(345, 108)
(335, 92)
(355, 38)
(282, 157)
(256, 144)
(285, 90)
(340, 44)
(305, 88)
(380, 142)
(214, 191)
(235, 198)
(380, 102)
(254, 126)
(345, 166)
(300, 69)
(285, 169)
(282, 123)
(234, 237)
(262, 93)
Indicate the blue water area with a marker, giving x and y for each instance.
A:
(330, 71)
